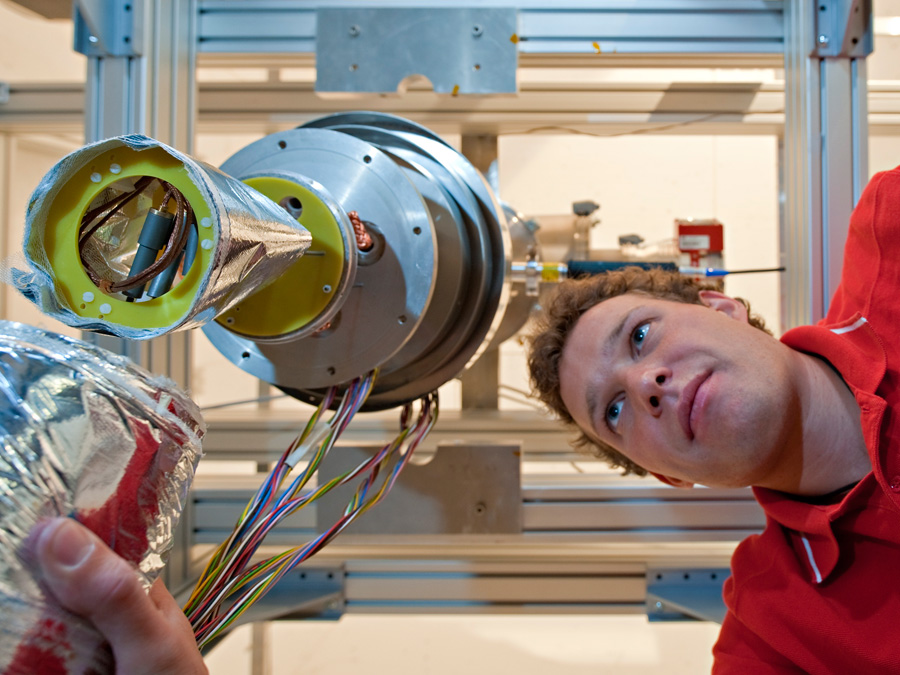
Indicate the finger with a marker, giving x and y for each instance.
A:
(168, 609)
(180, 636)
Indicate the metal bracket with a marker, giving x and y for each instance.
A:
(108, 27)
(461, 51)
(463, 489)
(844, 28)
(303, 593)
(4, 92)
(686, 594)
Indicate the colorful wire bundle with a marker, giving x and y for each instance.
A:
(229, 573)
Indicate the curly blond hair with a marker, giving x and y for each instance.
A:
(572, 299)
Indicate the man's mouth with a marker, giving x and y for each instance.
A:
(686, 404)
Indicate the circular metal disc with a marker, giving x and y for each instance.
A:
(472, 230)
(388, 299)
(366, 118)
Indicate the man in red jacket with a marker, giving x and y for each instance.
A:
(664, 377)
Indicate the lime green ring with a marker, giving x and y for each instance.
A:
(298, 296)
(72, 284)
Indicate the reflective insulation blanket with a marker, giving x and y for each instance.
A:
(86, 434)
(254, 241)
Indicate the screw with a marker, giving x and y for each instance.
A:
(823, 39)
(659, 607)
(477, 30)
(354, 30)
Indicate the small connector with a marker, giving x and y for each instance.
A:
(155, 233)
(162, 283)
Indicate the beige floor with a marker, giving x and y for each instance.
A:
(475, 645)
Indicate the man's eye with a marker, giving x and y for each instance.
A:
(612, 415)
(639, 334)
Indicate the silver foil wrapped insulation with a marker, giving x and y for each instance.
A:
(86, 434)
(252, 239)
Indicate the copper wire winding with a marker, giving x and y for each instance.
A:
(363, 238)
(184, 218)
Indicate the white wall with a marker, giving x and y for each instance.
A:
(884, 153)
(643, 183)
(25, 158)
(33, 49)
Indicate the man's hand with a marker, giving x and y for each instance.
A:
(148, 634)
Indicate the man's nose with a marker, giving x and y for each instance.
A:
(651, 385)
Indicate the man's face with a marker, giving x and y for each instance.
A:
(690, 392)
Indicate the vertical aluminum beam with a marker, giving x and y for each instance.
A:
(260, 662)
(859, 104)
(802, 234)
(825, 156)
(838, 151)
(481, 382)
(148, 89)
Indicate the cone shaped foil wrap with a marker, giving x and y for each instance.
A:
(255, 241)
(83, 433)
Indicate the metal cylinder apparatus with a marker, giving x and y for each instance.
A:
(420, 303)
(99, 217)
(357, 242)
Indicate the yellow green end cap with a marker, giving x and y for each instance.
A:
(551, 272)
(73, 286)
(303, 292)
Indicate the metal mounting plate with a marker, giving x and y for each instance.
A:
(461, 51)
(679, 594)
(108, 28)
(844, 28)
(463, 489)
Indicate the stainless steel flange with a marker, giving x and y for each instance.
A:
(430, 300)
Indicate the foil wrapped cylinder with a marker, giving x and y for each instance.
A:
(86, 434)
(244, 240)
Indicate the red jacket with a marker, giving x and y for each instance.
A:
(819, 590)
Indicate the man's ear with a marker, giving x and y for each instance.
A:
(726, 304)
(674, 482)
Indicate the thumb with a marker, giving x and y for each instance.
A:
(87, 578)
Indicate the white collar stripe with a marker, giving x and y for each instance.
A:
(809, 554)
(846, 329)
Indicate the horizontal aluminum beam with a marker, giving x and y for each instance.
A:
(600, 507)
(703, 108)
(616, 26)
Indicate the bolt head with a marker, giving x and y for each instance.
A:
(823, 39)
